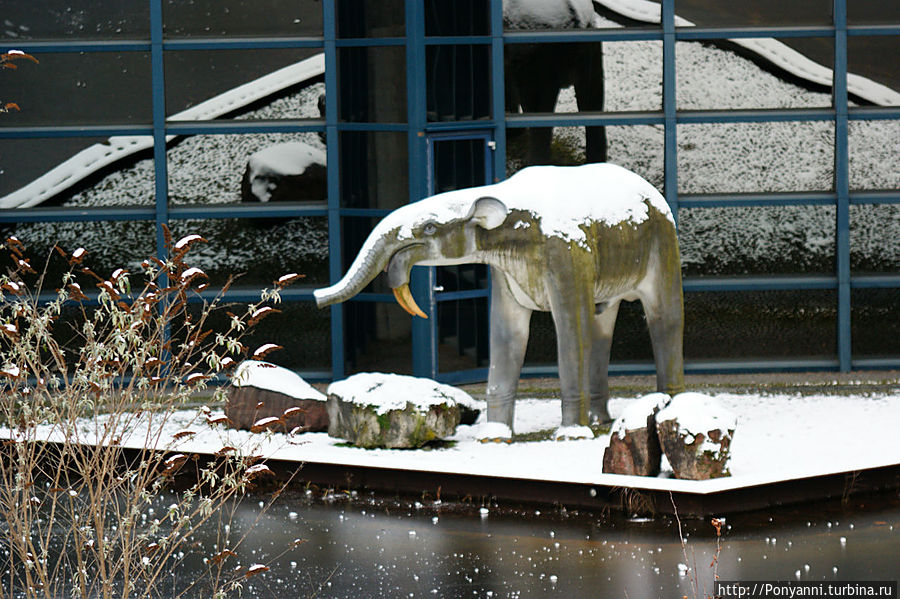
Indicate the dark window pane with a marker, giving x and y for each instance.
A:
(760, 324)
(75, 19)
(372, 84)
(458, 82)
(757, 240)
(875, 238)
(74, 88)
(374, 169)
(760, 13)
(378, 337)
(239, 18)
(457, 17)
(872, 12)
(875, 328)
(370, 18)
(880, 83)
(200, 84)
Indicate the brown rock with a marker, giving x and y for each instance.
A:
(695, 434)
(246, 406)
(634, 449)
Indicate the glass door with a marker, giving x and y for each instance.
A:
(459, 295)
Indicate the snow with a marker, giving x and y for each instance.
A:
(778, 438)
(603, 193)
(388, 392)
(697, 414)
(268, 376)
(562, 14)
(186, 240)
(635, 415)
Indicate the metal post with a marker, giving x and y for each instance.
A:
(498, 91)
(158, 88)
(670, 147)
(332, 141)
(842, 182)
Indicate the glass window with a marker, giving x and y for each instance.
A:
(242, 18)
(755, 157)
(457, 17)
(203, 84)
(871, 12)
(875, 238)
(759, 13)
(79, 172)
(874, 155)
(727, 74)
(258, 251)
(109, 245)
(874, 326)
(370, 18)
(875, 80)
(760, 324)
(522, 15)
(76, 19)
(374, 169)
(79, 89)
(372, 84)
(458, 82)
(251, 168)
(757, 240)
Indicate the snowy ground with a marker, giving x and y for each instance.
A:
(778, 437)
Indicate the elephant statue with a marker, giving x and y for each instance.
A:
(535, 73)
(574, 241)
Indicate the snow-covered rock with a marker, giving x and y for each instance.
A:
(695, 433)
(633, 444)
(394, 411)
(265, 396)
(290, 171)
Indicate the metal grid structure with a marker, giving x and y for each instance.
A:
(417, 128)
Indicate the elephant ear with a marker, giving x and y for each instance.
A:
(488, 212)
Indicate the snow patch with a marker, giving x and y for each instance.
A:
(268, 376)
(697, 414)
(394, 391)
(635, 415)
(284, 159)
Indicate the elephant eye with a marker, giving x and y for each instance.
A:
(429, 229)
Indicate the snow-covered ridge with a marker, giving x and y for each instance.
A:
(97, 156)
(772, 50)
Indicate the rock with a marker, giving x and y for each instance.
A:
(695, 433)
(292, 171)
(633, 443)
(262, 391)
(388, 410)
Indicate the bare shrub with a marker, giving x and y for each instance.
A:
(73, 390)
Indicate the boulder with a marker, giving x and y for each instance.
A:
(292, 171)
(388, 410)
(265, 396)
(695, 434)
(633, 443)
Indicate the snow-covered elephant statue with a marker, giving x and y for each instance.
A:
(574, 241)
(536, 72)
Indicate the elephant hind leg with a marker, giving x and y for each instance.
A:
(603, 326)
(665, 319)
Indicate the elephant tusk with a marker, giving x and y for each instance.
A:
(406, 301)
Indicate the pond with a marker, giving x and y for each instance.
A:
(366, 546)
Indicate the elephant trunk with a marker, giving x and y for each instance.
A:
(371, 260)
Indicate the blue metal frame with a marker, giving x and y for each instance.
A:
(417, 129)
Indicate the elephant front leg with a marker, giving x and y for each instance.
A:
(509, 338)
(573, 317)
